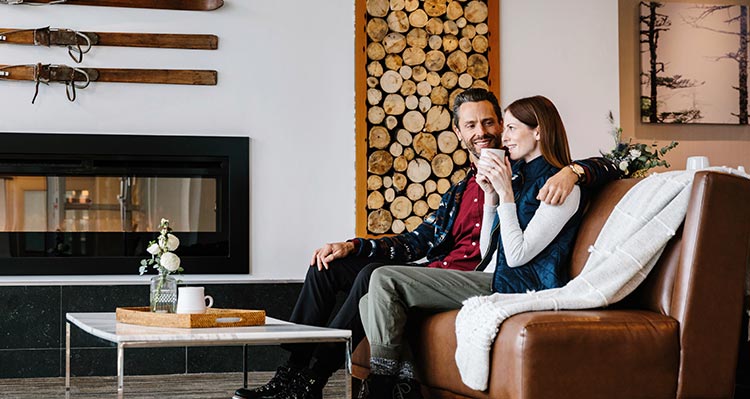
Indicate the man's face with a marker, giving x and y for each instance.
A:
(478, 127)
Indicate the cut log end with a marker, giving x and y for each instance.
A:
(380, 162)
(418, 170)
(379, 221)
(412, 223)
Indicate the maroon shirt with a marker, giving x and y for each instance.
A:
(465, 231)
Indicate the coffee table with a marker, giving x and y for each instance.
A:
(274, 332)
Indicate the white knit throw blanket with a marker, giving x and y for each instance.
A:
(628, 246)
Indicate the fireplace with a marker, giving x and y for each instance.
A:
(83, 204)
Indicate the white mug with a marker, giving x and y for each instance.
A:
(483, 154)
(192, 300)
(697, 163)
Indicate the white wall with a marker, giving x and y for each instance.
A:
(568, 52)
(286, 82)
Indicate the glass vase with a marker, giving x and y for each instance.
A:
(163, 294)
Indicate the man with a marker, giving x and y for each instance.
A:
(448, 239)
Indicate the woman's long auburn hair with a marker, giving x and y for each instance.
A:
(539, 111)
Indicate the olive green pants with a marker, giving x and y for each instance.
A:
(395, 290)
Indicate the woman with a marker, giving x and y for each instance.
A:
(533, 245)
(533, 234)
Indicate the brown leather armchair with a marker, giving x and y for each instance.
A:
(675, 336)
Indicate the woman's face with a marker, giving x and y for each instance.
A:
(522, 141)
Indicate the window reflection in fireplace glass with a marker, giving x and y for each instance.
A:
(106, 203)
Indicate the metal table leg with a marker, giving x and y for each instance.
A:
(348, 372)
(244, 366)
(120, 369)
(67, 356)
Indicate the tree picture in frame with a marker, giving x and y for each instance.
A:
(694, 61)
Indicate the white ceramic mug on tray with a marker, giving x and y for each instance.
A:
(193, 300)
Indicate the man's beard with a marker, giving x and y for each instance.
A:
(473, 149)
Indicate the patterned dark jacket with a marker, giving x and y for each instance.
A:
(427, 240)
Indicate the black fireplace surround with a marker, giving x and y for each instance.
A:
(116, 178)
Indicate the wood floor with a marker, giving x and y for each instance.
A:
(187, 386)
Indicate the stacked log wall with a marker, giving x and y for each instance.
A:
(416, 57)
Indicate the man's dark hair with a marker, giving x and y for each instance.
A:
(476, 95)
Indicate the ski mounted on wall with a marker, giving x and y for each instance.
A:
(189, 5)
(79, 43)
(80, 78)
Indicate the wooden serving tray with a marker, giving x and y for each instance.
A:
(212, 318)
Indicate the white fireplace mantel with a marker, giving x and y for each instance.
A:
(8, 281)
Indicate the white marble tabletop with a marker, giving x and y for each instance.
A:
(105, 326)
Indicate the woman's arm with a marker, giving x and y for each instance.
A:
(521, 246)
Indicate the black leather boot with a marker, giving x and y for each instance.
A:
(407, 389)
(377, 387)
(276, 385)
(303, 385)
(389, 387)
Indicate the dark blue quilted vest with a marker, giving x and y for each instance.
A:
(549, 268)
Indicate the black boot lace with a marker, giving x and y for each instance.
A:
(401, 390)
(407, 389)
(280, 379)
(304, 386)
(364, 390)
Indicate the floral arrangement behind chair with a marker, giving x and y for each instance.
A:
(635, 159)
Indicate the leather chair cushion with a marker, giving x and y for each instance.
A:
(558, 352)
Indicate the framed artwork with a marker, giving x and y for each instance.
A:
(413, 58)
(694, 61)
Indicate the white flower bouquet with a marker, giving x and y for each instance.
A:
(162, 257)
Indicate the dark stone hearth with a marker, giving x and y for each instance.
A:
(24, 363)
(31, 317)
(32, 331)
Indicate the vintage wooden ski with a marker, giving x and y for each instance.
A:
(190, 5)
(79, 78)
(79, 43)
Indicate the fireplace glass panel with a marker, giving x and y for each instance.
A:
(106, 204)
